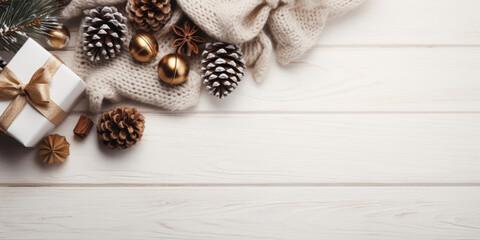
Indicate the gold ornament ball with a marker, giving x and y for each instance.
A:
(173, 69)
(143, 47)
(58, 37)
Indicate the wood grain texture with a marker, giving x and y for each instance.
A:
(407, 22)
(240, 213)
(356, 80)
(268, 148)
(373, 135)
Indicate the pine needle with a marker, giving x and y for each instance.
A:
(22, 19)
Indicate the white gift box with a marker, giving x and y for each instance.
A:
(29, 127)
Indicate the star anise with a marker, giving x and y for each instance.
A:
(186, 40)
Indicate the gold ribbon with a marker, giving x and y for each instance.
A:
(36, 93)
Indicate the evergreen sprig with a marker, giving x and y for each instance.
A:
(4, 3)
(21, 19)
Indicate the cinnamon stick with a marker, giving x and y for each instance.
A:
(83, 127)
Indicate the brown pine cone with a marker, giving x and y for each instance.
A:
(121, 127)
(149, 15)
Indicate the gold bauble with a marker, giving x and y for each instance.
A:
(173, 69)
(59, 37)
(143, 47)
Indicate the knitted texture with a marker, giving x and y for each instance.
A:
(123, 78)
(292, 26)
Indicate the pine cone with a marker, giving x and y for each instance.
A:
(3, 64)
(103, 33)
(121, 127)
(223, 68)
(149, 15)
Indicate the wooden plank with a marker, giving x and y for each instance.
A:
(407, 22)
(240, 213)
(393, 22)
(266, 149)
(359, 80)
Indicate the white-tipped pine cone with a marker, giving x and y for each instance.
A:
(121, 127)
(223, 68)
(149, 15)
(104, 33)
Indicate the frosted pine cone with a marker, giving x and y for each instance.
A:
(223, 68)
(121, 127)
(104, 33)
(149, 15)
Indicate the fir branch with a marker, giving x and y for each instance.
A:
(3, 4)
(21, 19)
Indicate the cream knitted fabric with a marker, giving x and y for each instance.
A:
(76, 7)
(292, 25)
(122, 77)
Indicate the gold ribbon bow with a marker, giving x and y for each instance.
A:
(36, 93)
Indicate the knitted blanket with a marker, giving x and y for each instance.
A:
(292, 26)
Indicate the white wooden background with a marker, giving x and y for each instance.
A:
(374, 135)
